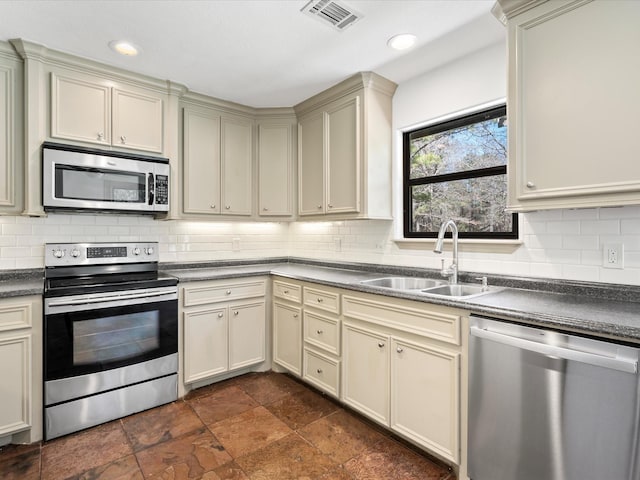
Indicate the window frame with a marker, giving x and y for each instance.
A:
(408, 183)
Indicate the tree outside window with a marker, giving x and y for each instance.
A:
(457, 170)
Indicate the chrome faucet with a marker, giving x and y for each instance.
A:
(452, 270)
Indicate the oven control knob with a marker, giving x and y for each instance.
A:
(136, 251)
(148, 250)
(58, 253)
(75, 253)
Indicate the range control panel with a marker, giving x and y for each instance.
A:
(69, 254)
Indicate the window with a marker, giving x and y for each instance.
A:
(458, 170)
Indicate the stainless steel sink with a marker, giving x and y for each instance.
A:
(404, 283)
(457, 290)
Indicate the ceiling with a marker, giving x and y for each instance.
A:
(261, 53)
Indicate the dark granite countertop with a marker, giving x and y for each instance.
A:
(601, 310)
(18, 283)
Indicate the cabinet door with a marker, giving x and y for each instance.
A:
(236, 148)
(205, 344)
(15, 382)
(275, 165)
(366, 372)
(573, 141)
(137, 121)
(311, 165)
(246, 334)
(201, 162)
(425, 396)
(80, 110)
(287, 337)
(343, 157)
(11, 134)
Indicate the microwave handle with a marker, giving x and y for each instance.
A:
(151, 187)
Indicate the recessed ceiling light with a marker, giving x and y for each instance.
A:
(124, 48)
(402, 41)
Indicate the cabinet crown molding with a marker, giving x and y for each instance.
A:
(369, 80)
(503, 10)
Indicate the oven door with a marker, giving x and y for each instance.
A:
(86, 334)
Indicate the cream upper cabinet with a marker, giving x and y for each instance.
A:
(216, 162)
(88, 109)
(236, 158)
(275, 168)
(201, 162)
(11, 130)
(344, 150)
(573, 100)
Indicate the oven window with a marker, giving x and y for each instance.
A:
(119, 337)
(79, 183)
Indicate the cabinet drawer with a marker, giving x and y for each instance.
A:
(287, 291)
(322, 299)
(322, 371)
(14, 316)
(323, 332)
(427, 321)
(203, 294)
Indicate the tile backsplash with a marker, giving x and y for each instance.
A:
(563, 244)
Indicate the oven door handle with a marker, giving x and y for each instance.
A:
(109, 298)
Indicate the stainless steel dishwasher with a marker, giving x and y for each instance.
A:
(545, 405)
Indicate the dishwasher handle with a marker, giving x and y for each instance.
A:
(620, 364)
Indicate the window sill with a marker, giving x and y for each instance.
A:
(466, 244)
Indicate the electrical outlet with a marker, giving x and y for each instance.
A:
(235, 244)
(613, 255)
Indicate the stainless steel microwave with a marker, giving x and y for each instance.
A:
(83, 179)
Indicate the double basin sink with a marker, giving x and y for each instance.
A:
(427, 286)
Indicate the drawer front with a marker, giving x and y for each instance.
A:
(322, 299)
(287, 291)
(203, 294)
(323, 332)
(15, 315)
(322, 371)
(417, 319)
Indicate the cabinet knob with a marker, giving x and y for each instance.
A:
(319, 370)
(100, 136)
(399, 349)
(265, 209)
(285, 291)
(220, 315)
(295, 315)
(319, 206)
(330, 206)
(381, 344)
(123, 139)
(212, 206)
(228, 292)
(531, 185)
(319, 300)
(319, 332)
(227, 207)
(235, 312)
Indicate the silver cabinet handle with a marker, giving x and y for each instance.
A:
(531, 185)
(123, 139)
(381, 344)
(100, 136)
(622, 365)
(330, 206)
(212, 206)
(265, 209)
(228, 292)
(319, 370)
(319, 206)
(295, 315)
(319, 300)
(399, 349)
(236, 312)
(319, 332)
(227, 207)
(285, 291)
(220, 315)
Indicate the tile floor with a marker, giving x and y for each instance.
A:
(257, 427)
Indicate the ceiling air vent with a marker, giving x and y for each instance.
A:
(335, 13)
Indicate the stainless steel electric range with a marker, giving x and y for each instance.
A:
(110, 334)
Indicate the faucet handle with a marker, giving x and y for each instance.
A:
(485, 283)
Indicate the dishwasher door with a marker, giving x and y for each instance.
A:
(545, 405)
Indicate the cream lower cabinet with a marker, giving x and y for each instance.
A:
(224, 327)
(401, 368)
(21, 369)
(287, 325)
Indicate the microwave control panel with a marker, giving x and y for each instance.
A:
(162, 190)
